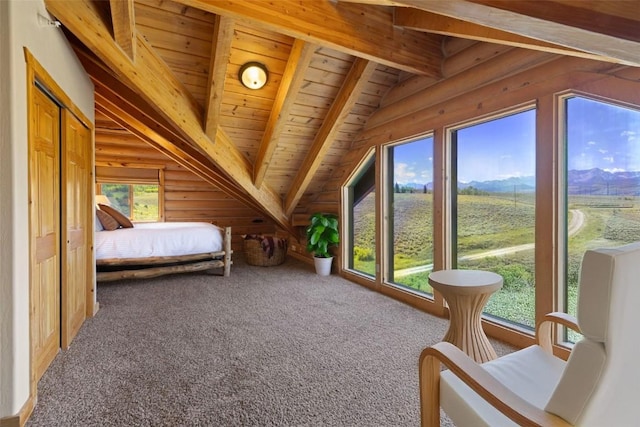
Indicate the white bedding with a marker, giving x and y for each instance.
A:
(158, 239)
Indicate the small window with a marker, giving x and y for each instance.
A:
(140, 202)
(136, 192)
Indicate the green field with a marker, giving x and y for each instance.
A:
(495, 221)
(145, 200)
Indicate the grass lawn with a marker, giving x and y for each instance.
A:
(487, 222)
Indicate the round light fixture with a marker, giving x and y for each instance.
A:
(253, 75)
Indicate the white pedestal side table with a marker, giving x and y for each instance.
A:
(466, 293)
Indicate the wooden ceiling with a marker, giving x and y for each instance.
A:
(168, 72)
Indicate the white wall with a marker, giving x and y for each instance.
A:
(19, 28)
(5, 210)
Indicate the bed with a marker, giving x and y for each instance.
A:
(154, 249)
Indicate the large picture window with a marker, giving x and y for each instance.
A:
(602, 182)
(493, 209)
(410, 213)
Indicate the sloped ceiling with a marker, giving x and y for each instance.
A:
(168, 72)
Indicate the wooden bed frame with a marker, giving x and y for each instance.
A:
(144, 268)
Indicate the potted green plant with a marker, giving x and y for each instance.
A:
(322, 234)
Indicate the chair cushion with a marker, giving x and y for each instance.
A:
(614, 400)
(531, 373)
(596, 276)
(578, 380)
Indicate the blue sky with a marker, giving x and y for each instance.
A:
(499, 149)
(413, 162)
(603, 136)
(600, 136)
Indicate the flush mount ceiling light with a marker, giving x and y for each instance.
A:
(253, 75)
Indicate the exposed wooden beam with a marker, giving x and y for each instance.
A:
(511, 17)
(153, 80)
(220, 53)
(123, 114)
(117, 112)
(421, 20)
(124, 26)
(103, 76)
(129, 111)
(372, 2)
(290, 84)
(360, 30)
(617, 18)
(357, 77)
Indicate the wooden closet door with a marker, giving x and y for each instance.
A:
(76, 211)
(44, 216)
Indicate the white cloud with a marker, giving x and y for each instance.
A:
(614, 170)
(403, 173)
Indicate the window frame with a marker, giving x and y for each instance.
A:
(451, 199)
(560, 290)
(387, 178)
(370, 158)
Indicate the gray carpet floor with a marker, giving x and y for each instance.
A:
(268, 346)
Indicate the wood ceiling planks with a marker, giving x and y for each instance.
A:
(269, 137)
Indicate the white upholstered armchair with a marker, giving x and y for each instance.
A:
(599, 385)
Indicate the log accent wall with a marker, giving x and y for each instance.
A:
(187, 197)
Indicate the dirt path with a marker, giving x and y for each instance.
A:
(576, 223)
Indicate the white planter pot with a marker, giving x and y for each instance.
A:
(323, 265)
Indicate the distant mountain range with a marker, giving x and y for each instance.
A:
(520, 184)
(588, 182)
(598, 182)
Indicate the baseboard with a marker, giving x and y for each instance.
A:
(96, 307)
(20, 419)
(12, 421)
(300, 257)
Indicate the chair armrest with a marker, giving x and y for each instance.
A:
(544, 329)
(494, 392)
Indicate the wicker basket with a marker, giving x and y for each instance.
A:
(255, 255)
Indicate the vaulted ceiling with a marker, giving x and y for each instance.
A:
(167, 71)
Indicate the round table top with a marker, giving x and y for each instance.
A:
(465, 281)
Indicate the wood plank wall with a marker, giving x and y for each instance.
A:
(186, 196)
